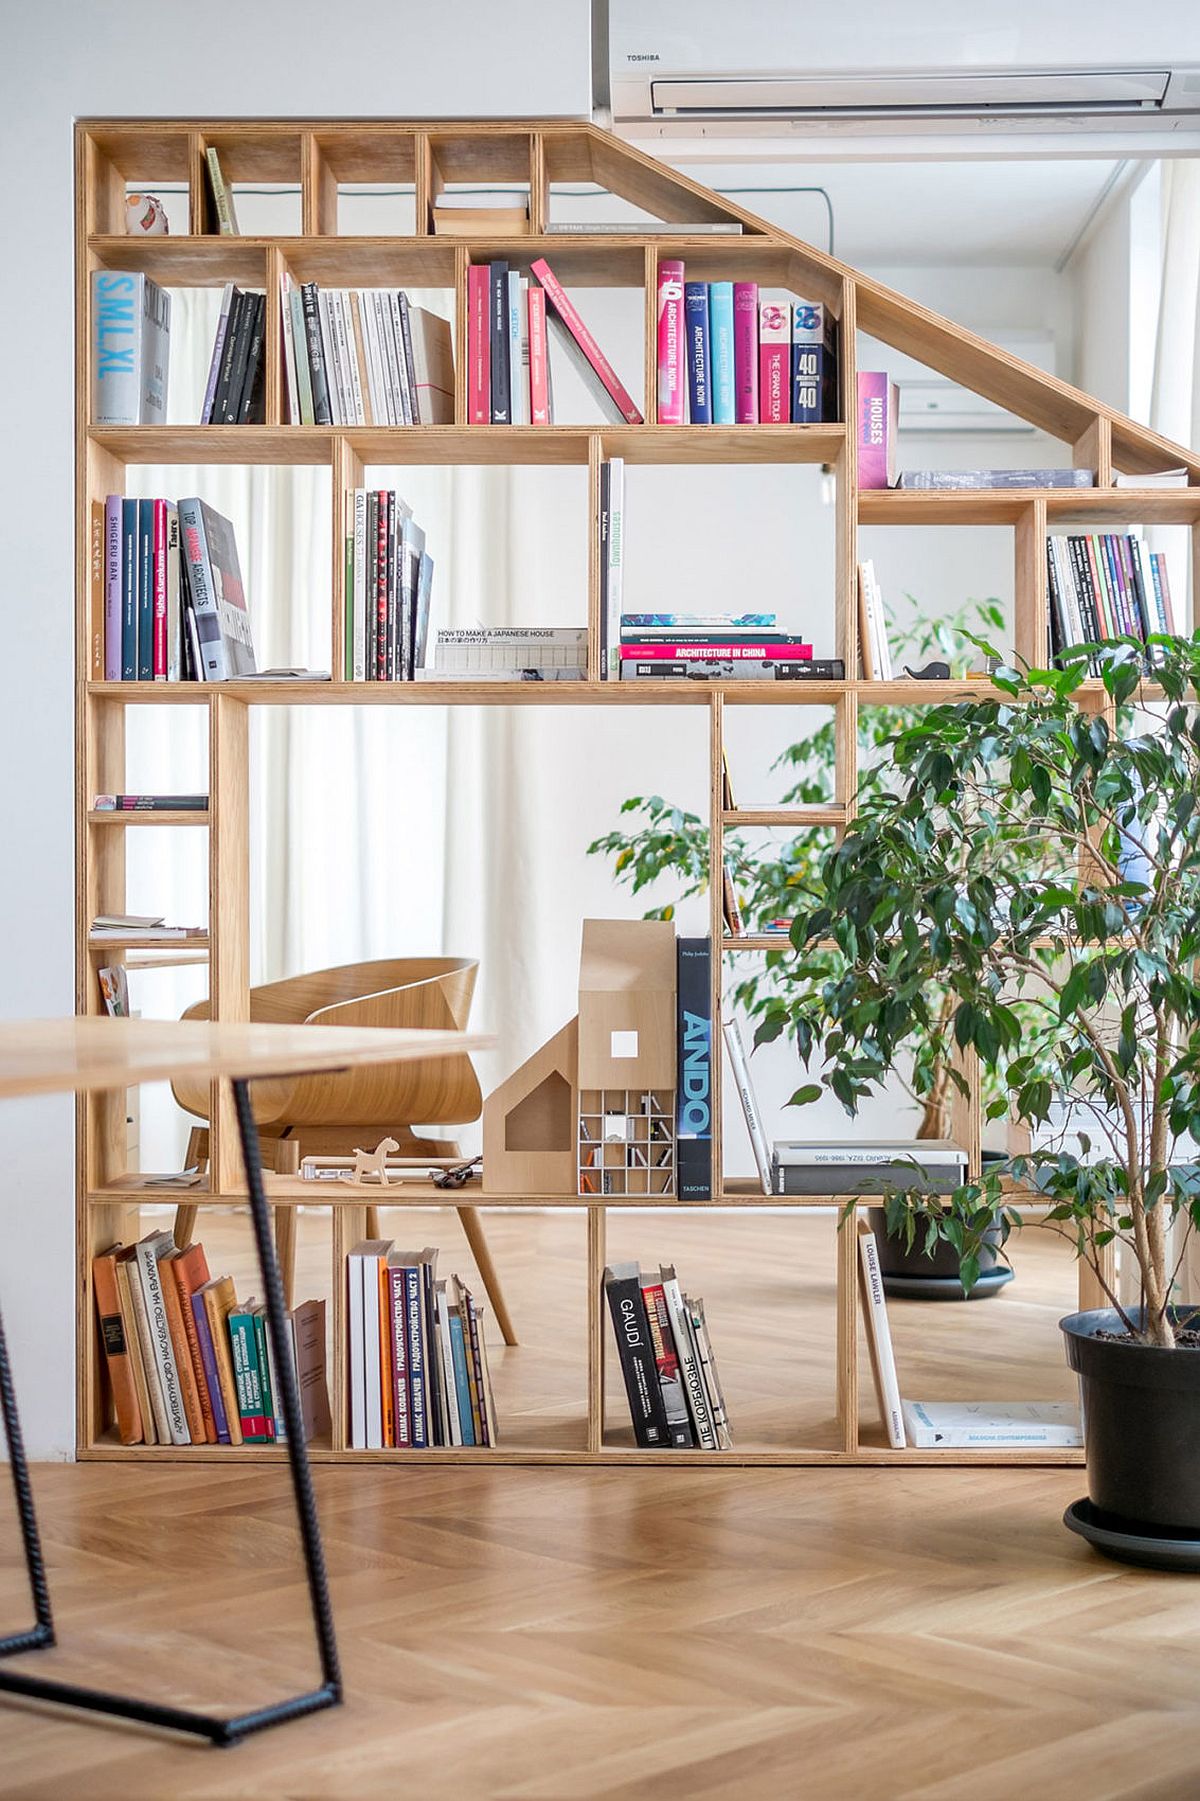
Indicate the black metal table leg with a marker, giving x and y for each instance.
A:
(130, 1707)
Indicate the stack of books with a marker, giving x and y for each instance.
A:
(187, 1362)
(866, 1166)
(130, 349)
(510, 320)
(716, 646)
(167, 601)
(389, 585)
(728, 357)
(416, 1353)
(1105, 585)
(233, 394)
(666, 1356)
(115, 927)
(364, 356)
(509, 653)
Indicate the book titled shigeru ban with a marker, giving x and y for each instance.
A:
(129, 349)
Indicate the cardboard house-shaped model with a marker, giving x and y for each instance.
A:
(592, 1111)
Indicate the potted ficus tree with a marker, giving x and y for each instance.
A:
(1028, 853)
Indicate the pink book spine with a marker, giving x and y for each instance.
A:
(774, 358)
(733, 653)
(479, 345)
(539, 351)
(160, 591)
(671, 388)
(745, 352)
(876, 429)
(556, 297)
(112, 588)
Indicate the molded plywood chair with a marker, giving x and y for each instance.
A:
(337, 1112)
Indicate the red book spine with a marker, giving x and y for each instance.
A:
(397, 1325)
(479, 345)
(159, 665)
(745, 352)
(732, 653)
(539, 352)
(671, 387)
(557, 298)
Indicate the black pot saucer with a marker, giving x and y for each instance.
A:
(945, 1288)
(1152, 1547)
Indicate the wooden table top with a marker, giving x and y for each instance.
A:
(44, 1056)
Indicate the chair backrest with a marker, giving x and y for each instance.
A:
(428, 992)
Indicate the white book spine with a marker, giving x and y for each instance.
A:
(616, 562)
(160, 1338)
(371, 1372)
(289, 348)
(522, 363)
(881, 1337)
(689, 1363)
(156, 352)
(708, 1367)
(369, 320)
(357, 1349)
(333, 385)
(300, 340)
(400, 395)
(349, 348)
(740, 1065)
(518, 381)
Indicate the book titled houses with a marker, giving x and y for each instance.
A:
(877, 416)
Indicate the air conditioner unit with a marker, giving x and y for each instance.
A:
(718, 82)
(933, 403)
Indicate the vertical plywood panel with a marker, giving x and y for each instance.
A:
(596, 1256)
(847, 1333)
(716, 915)
(1031, 621)
(228, 909)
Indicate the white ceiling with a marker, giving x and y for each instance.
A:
(996, 212)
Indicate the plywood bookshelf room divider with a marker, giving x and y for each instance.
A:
(319, 157)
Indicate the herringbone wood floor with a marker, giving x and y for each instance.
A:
(922, 1635)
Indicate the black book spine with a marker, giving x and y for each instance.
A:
(501, 391)
(1081, 569)
(240, 357)
(252, 386)
(188, 671)
(410, 367)
(220, 405)
(1133, 578)
(1057, 633)
(632, 1331)
(316, 355)
(433, 1356)
(693, 1080)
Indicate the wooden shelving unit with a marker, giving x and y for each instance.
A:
(317, 156)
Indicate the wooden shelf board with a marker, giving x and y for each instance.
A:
(104, 1451)
(134, 941)
(291, 1191)
(246, 444)
(1094, 507)
(831, 814)
(164, 816)
(559, 694)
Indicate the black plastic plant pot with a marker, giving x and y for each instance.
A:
(1141, 1412)
(909, 1275)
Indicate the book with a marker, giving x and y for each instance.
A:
(276, 1426)
(693, 1096)
(217, 597)
(181, 1347)
(613, 573)
(690, 1370)
(997, 478)
(149, 1251)
(145, 591)
(731, 905)
(672, 386)
(114, 990)
(218, 354)
(158, 588)
(227, 223)
(709, 1372)
(518, 365)
(315, 349)
(563, 315)
(876, 650)
(621, 228)
(247, 1376)
(539, 353)
(662, 1341)
(114, 1342)
(774, 363)
(740, 1065)
(112, 587)
(129, 590)
(461, 1381)
(874, 1153)
(219, 1298)
(697, 352)
(188, 1270)
(745, 352)
(150, 803)
(879, 1336)
(814, 363)
(886, 1172)
(631, 1329)
(208, 1358)
(478, 220)
(726, 669)
(957, 1425)
(479, 345)
(95, 620)
(498, 327)
(129, 349)
(878, 413)
(308, 1352)
(141, 1354)
(433, 358)
(1162, 478)
(720, 325)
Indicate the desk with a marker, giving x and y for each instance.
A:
(81, 1056)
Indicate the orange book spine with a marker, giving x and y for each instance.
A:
(385, 1356)
(182, 1350)
(116, 1350)
(189, 1271)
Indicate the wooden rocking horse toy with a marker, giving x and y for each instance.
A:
(371, 1166)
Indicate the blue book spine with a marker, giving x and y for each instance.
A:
(145, 605)
(695, 325)
(129, 590)
(414, 1326)
(208, 1358)
(461, 1385)
(720, 333)
(813, 394)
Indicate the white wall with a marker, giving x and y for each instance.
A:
(60, 61)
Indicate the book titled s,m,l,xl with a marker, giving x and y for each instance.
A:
(130, 349)
(956, 1425)
(879, 1336)
(693, 1097)
(631, 1328)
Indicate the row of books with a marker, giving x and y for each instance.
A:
(234, 392)
(389, 585)
(728, 357)
(1106, 585)
(364, 356)
(416, 1353)
(168, 602)
(188, 1363)
(510, 320)
(667, 1363)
